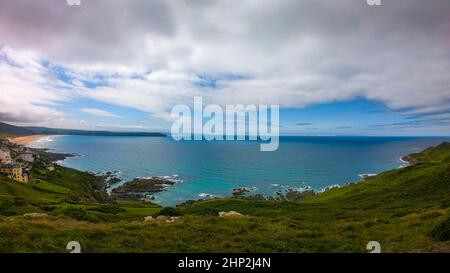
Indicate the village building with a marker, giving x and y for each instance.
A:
(18, 149)
(14, 171)
(4, 142)
(5, 156)
(27, 157)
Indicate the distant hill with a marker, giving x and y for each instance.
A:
(11, 130)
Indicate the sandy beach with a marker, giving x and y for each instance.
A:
(24, 140)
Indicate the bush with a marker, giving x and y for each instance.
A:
(7, 208)
(109, 209)
(48, 208)
(5, 205)
(19, 202)
(169, 211)
(207, 211)
(442, 231)
(445, 204)
(79, 214)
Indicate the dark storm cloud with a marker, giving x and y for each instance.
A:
(100, 30)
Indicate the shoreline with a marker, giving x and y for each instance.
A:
(25, 140)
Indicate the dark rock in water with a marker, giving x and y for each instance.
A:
(153, 184)
(240, 192)
(109, 178)
(411, 159)
(140, 188)
(114, 180)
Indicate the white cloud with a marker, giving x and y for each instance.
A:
(27, 91)
(292, 53)
(99, 112)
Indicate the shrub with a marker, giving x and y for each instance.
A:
(47, 208)
(19, 202)
(445, 204)
(4, 205)
(79, 214)
(169, 211)
(207, 211)
(109, 209)
(7, 208)
(442, 231)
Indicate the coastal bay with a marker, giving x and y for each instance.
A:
(213, 169)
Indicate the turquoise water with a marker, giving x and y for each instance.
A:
(215, 168)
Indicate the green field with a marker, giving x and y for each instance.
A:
(406, 210)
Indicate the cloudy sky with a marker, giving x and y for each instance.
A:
(333, 69)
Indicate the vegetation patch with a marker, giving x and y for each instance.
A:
(442, 231)
(79, 214)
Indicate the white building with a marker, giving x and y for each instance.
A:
(27, 157)
(5, 156)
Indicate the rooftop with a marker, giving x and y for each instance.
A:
(14, 165)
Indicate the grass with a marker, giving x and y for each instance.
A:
(406, 210)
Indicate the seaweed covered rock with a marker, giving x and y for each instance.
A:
(139, 188)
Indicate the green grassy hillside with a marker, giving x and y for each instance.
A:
(7, 130)
(406, 210)
(58, 192)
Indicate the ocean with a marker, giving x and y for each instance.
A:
(206, 169)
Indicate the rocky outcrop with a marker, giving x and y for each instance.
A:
(109, 178)
(231, 213)
(411, 159)
(161, 218)
(295, 195)
(33, 215)
(140, 188)
(239, 192)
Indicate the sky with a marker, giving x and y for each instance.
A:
(334, 69)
